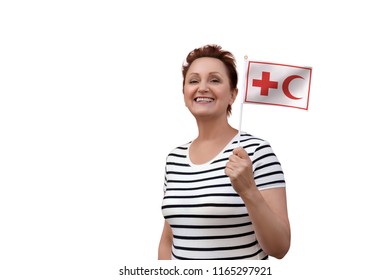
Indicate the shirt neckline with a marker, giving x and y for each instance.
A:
(214, 158)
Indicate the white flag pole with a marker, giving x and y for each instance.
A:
(242, 92)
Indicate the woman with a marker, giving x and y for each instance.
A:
(221, 201)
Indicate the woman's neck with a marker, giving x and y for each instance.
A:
(214, 130)
(212, 138)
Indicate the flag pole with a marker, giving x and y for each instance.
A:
(243, 83)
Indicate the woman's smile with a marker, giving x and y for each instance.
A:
(203, 100)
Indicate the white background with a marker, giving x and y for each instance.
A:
(91, 103)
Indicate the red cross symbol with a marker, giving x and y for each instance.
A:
(265, 83)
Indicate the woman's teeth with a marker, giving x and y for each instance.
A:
(204, 99)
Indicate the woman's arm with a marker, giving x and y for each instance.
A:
(165, 246)
(268, 212)
(267, 209)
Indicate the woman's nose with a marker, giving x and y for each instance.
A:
(203, 87)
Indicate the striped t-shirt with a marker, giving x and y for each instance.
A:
(208, 218)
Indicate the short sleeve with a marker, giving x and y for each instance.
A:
(165, 180)
(267, 170)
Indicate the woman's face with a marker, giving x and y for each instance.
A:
(207, 91)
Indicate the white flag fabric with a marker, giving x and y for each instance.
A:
(277, 84)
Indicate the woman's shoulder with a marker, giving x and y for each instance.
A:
(254, 145)
(180, 150)
(247, 139)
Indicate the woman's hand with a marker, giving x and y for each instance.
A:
(239, 170)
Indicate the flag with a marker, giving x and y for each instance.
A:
(277, 84)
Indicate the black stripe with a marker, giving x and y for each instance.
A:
(176, 155)
(230, 150)
(195, 173)
(211, 226)
(202, 195)
(216, 248)
(268, 174)
(203, 205)
(200, 188)
(267, 165)
(177, 164)
(248, 139)
(263, 157)
(205, 216)
(219, 160)
(245, 147)
(213, 237)
(230, 258)
(262, 147)
(270, 183)
(198, 180)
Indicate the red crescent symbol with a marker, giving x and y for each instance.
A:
(286, 84)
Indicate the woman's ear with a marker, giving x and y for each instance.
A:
(184, 99)
(234, 95)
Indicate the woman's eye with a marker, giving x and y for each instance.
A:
(214, 81)
(193, 81)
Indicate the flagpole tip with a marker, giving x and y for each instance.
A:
(246, 57)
